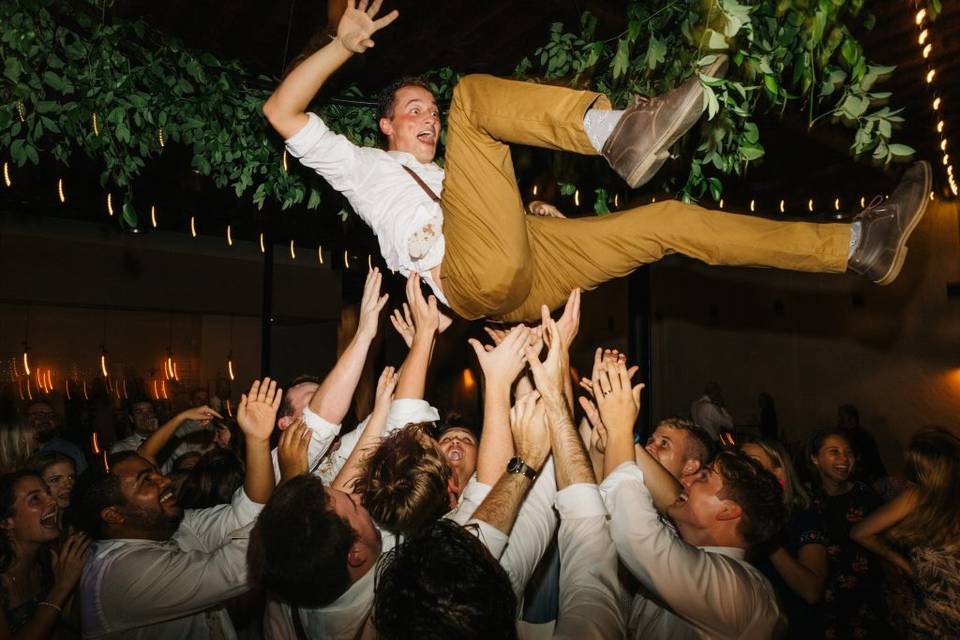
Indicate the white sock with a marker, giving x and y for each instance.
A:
(599, 124)
(854, 238)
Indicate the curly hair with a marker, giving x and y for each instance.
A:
(443, 583)
(756, 491)
(299, 545)
(387, 98)
(405, 482)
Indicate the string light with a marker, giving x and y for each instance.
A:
(369, 263)
(21, 111)
(263, 247)
(29, 392)
(123, 381)
(721, 203)
(863, 201)
(96, 127)
(193, 226)
(320, 253)
(95, 443)
(66, 387)
(85, 395)
(576, 198)
(920, 16)
(946, 159)
(163, 389)
(293, 253)
(940, 127)
(534, 189)
(836, 204)
(26, 361)
(783, 206)
(110, 204)
(105, 460)
(927, 49)
(49, 380)
(936, 104)
(923, 36)
(284, 162)
(810, 205)
(230, 367)
(229, 237)
(103, 364)
(229, 408)
(160, 137)
(346, 260)
(60, 193)
(156, 391)
(468, 380)
(616, 200)
(943, 145)
(176, 374)
(930, 75)
(753, 206)
(153, 216)
(6, 175)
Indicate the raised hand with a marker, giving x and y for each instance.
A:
(503, 363)
(200, 414)
(257, 410)
(358, 25)
(598, 431)
(609, 357)
(385, 386)
(403, 323)
(292, 450)
(569, 322)
(371, 304)
(426, 315)
(531, 438)
(543, 209)
(617, 401)
(549, 375)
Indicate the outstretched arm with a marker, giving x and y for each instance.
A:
(331, 401)
(372, 433)
(153, 445)
(286, 108)
(867, 532)
(426, 324)
(256, 415)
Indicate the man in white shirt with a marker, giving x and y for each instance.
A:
(700, 584)
(709, 413)
(475, 247)
(156, 570)
(442, 583)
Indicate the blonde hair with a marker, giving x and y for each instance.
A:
(933, 466)
(18, 441)
(795, 497)
(405, 482)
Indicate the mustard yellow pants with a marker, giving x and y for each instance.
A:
(503, 264)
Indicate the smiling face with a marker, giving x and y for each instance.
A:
(459, 447)
(834, 460)
(36, 517)
(60, 478)
(144, 418)
(704, 504)
(149, 507)
(414, 126)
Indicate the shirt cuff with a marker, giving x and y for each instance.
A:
(318, 425)
(627, 470)
(407, 410)
(302, 141)
(492, 538)
(246, 510)
(580, 501)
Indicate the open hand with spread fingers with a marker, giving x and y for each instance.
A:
(359, 23)
(257, 411)
(292, 450)
(617, 401)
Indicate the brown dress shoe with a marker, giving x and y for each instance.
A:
(885, 227)
(641, 141)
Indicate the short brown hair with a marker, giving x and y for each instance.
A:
(757, 493)
(700, 446)
(405, 482)
(387, 98)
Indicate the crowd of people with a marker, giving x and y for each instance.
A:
(552, 519)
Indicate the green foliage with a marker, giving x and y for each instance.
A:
(785, 54)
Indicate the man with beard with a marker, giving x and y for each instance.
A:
(158, 571)
(48, 424)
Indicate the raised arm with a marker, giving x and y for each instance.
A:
(153, 445)
(286, 108)
(256, 415)
(868, 532)
(426, 325)
(372, 433)
(501, 365)
(331, 401)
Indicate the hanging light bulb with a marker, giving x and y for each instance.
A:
(29, 392)
(783, 206)
(123, 382)
(168, 365)
(163, 389)
(284, 161)
(936, 103)
(534, 189)
(230, 366)
(863, 201)
(96, 126)
(156, 391)
(721, 203)
(346, 260)
(320, 253)
(95, 443)
(940, 127)
(836, 204)
(616, 200)
(930, 75)
(229, 237)
(576, 198)
(153, 216)
(229, 408)
(920, 16)
(85, 396)
(193, 226)
(176, 375)
(103, 363)
(49, 380)
(943, 145)
(26, 359)
(810, 205)
(753, 205)
(293, 253)
(923, 36)
(6, 175)
(60, 194)
(263, 247)
(110, 204)
(926, 50)
(160, 137)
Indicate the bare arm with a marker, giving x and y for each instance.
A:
(806, 575)
(501, 365)
(153, 445)
(331, 401)
(867, 532)
(286, 108)
(426, 322)
(370, 439)
(256, 415)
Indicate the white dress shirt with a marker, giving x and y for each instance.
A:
(711, 417)
(697, 592)
(407, 222)
(147, 589)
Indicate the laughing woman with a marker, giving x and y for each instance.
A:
(36, 582)
(853, 600)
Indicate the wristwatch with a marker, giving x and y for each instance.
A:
(516, 465)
